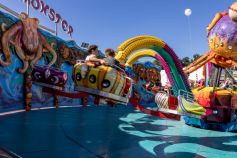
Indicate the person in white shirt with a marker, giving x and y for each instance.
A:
(91, 60)
(93, 53)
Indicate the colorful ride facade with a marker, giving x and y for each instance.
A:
(40, 70)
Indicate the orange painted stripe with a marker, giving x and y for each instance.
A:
(118, 78)
(101, 76)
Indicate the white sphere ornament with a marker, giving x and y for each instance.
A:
(188, 12)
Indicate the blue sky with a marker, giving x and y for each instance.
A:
(108, 23)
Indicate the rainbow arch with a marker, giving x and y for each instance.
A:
(141, 46)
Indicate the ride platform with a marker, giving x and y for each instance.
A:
(105, 132)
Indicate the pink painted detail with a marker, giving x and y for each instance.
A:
(205, 73)
(209, 64)
(178, 64)
(166, 68)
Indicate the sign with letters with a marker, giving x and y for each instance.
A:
(51, 14)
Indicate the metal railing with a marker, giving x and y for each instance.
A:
(113, 66)
(187, 95)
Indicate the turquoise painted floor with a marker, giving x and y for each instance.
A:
(104, 132)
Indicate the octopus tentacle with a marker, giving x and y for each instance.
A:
(38, 55)
(3, 27)
(26, 65)
(52, 44)
(31, 57)
(47, 46)
(217, 17)
(7, 35)
(20, 53)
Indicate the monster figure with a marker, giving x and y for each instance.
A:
(69, 55)
(28, 42)
(153, 79)
(222, 39)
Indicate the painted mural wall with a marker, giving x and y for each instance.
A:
(12, 82)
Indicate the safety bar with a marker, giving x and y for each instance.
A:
(114, 66)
